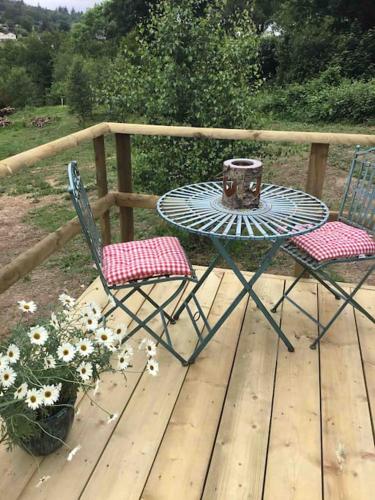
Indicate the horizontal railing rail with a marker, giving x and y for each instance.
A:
(125, 199)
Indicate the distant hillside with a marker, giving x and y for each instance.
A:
(19, 18)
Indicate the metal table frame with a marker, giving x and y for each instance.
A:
(178, 207)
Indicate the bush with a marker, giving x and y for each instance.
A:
(16, 88)
(79, 92)
(324, 99)
(188, 68)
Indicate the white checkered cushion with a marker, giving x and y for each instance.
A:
(134, 260)
(335, 240)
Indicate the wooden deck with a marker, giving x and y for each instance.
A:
(247, 420)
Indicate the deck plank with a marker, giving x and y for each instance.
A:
(366, 332)
(238, 462)
(348, 451)
(181, 464)
(91, 430)
(293, 468)
(129, 455)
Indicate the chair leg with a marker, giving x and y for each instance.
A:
(286, 293)
(349, 300)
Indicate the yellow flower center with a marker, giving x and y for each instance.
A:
(6, 376)
(47, 394)
(104, 337)
(26, 306)
(10, 354)
(66, 352)
(83, 347)
(36, 336)
(32, 399)
(83, 370)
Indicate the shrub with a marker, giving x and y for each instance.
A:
(325, 99)
(17, 88)
(79, 92)
(188, 68)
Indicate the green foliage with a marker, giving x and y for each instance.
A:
(328, 98)
(16, 88)
(22, 18)
(170, 79)
(79, 92)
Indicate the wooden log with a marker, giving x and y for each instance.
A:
(315, 176)
(240, 134)
(14, 163)
(125, 184)
(102, 186)
(317, 169)
(135, 200)
(40, 252)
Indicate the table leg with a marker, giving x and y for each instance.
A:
(247, 288)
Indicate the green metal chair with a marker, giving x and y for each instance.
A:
(81, 204)
(357, 210)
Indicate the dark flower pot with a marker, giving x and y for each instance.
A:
(57, 426)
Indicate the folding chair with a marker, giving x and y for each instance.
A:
(347, 240)
(133, 265)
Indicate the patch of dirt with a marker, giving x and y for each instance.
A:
(42, 285)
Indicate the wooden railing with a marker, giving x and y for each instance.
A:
(124, 197)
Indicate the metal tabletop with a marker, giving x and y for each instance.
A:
(283, 212)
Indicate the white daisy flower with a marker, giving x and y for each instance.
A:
(123, 362)
(13, 353)
(4, 362)
(49, 362)
(85, 370)
(89, 322)
(28, 307)
(150, 348)
(73, 452)
(34, 399)
(95, 310)
(142, 344)
(67, 300)
(42, 480)
(84, 347)
(7, 376)
(66, 351)
(54, 321)
(112, 418)
(128, 351)
(152, 367)
(21, 391)
(50, 394)
(38, 335)
(105, 337)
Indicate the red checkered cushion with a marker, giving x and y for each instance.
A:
(335, 240)
(136, 260)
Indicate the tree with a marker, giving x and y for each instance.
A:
(80, 98)
(187, 69)
(16, 88)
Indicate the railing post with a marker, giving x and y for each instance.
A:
(125, 184)
(102, 185)
(315, 175)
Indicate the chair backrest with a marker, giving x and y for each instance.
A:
(82, 205)
(358, 203)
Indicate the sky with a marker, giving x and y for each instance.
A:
(53, 4)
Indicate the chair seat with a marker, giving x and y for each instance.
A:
(335, 240)
(136, 260)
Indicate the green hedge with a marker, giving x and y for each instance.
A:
(323, 99)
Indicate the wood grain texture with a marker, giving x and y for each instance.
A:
(293, 468)
(102, 185)
(348, 447)
(239, 457)
(125, 184)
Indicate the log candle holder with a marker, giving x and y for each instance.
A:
(241, 183)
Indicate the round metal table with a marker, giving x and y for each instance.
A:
(283, 212)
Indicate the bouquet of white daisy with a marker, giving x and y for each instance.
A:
(43, 366)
